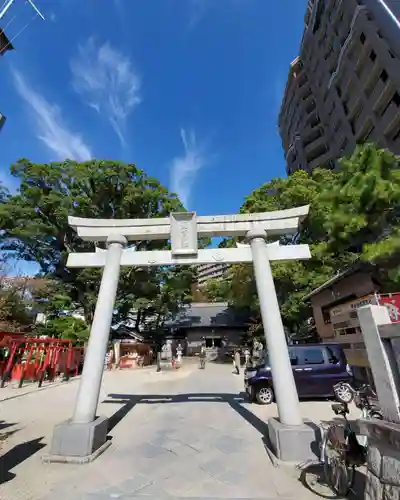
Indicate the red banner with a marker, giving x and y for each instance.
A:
(392, 302)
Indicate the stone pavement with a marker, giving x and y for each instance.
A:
(183, 434)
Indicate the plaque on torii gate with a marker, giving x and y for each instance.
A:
(84, 436)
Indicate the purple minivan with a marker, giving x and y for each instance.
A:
(316, 369)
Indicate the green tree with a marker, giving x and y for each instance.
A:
(14, 314)
(217, 290)
(354, 217)
(35, 224)
(365, 211)
(65, 327)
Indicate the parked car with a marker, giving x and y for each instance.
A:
(316, 369)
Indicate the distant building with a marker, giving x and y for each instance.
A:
(335, 305)
(206, 272)
(344, 88)
(217, 325)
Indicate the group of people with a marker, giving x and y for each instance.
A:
(236, 358)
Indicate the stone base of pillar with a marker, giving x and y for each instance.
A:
(383, 462)
(78, 443)
(294, 443)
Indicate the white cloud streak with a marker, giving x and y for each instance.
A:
(198, 9)
(185, 168)
(107, 82)
(51, 129)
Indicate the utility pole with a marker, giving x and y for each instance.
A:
(9, 3)
(5, 42)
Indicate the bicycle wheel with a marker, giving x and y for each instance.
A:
(339, 474)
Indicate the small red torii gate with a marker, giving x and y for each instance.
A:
(33, 358)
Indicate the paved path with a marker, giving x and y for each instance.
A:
(178, 435)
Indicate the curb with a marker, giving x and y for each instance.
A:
(39, 389)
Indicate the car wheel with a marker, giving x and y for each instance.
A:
(344, 393)
(264, 395)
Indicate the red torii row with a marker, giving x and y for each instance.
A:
(32, 358)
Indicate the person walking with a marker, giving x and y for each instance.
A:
(237, 361)
(247, 356)
(203, 355)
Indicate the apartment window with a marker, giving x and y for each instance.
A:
(362, 38)
(331, 165)
(395, 99)
(372, 55)
(311, 107)
(365, 136)
(326, 316)
(384, 76)
(318, 17)
(396, 137)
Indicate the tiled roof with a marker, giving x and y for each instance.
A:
(218, 314)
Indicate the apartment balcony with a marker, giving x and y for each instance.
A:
(311, 133)
(312, 119)
(315, 148)
(353, 103)
(390, 118)
(320, 161)
(380, 96)
(362, 60)
(304, 92)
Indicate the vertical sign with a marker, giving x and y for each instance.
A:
(392, 302)
(183, 234)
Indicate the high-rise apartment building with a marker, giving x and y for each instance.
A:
(344, 88)
(206, 272)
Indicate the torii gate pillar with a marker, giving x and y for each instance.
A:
(82, 438)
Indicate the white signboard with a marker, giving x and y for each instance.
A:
(352, 305)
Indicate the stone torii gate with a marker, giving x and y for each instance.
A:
(84, 436)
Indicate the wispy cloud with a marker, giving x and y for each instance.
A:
(184, 168)
(51, 129)
(106, 80)
(198, 9)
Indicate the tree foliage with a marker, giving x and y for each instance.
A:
(35, 226)
(354, 217)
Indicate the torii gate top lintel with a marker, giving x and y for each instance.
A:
(275, 222)
(184, 229)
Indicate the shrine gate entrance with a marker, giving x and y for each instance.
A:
(83, 437)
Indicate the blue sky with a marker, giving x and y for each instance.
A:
(189, 90)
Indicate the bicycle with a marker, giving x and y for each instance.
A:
(341, 449)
